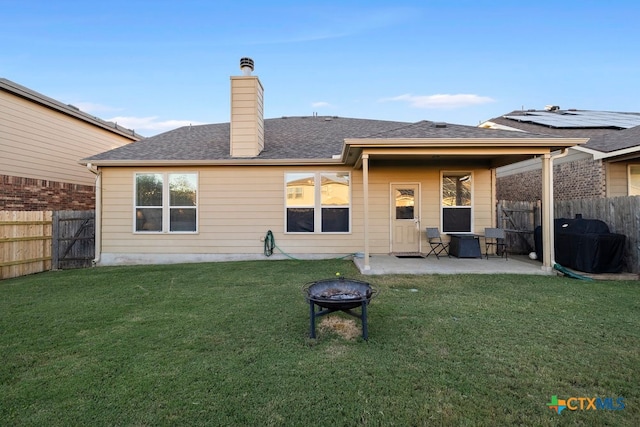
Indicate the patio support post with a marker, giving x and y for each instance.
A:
(547, 213)
(494, 201)
(365, 189)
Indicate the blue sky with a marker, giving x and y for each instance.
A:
(156, 65)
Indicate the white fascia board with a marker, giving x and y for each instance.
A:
(491, 125)
(597, 155)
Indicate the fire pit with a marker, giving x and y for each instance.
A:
(338, 295)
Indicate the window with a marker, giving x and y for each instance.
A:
(166, 202)
(456, 202)
(318, 202)
(634, 180)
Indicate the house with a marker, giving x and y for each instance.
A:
(607, 166)
(324, 186)
(41, 140)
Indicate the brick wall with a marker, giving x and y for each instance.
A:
(29, 194)
(521, 187)
(581, 179)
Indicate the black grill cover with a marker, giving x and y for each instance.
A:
(585, 245)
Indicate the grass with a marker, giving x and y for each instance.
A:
(227, 344)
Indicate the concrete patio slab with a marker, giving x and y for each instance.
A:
(516, 264)
(389, 264)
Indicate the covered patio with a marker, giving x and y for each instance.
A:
(441, 145)
(390, 264)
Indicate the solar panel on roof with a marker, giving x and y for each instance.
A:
(580, 119)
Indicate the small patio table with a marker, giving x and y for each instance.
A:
(465, 245)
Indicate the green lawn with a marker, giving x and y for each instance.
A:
(227, 344)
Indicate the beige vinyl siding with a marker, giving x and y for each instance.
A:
(247, 123)
(238, 205)
(236, 208)
(38, 142)
(617, 179)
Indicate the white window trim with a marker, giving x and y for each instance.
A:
(166, 209)
(317, 207)
(472, 206)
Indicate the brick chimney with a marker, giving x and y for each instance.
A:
(247, 121)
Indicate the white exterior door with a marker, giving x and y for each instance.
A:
(405, 218)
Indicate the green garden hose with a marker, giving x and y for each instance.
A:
(270, 244)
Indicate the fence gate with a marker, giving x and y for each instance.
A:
(519, 220)
(73, 239)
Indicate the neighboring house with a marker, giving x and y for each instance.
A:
(607, 166)
(325, 186)
(41, 141)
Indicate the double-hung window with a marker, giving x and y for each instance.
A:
(456, 202)
(318, 202)
(166, 202)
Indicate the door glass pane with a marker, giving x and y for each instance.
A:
(405, 203)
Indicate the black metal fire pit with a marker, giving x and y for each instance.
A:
(338, 295)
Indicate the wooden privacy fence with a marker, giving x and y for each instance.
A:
(25, 243)
(32, 242)
(621, 214)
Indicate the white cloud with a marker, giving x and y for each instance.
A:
(144, 125)
(441, 101)
(320, 104)
(152, 124)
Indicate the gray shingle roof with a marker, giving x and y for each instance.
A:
(614, 141)
(317, 137)
(427, 129)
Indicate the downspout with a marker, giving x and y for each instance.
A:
(552, 231)
(98, 219)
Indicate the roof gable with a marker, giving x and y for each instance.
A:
(69, 110)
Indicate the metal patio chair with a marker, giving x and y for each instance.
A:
(495, 237)
(437, 246)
